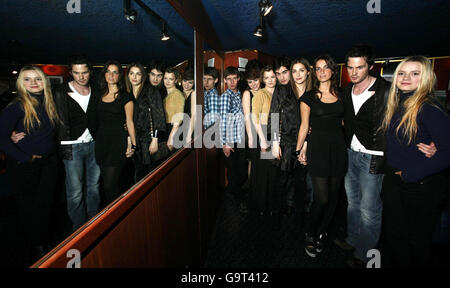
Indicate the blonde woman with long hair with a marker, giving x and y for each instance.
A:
(414, 184)
(32, 162)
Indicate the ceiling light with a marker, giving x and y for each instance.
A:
(14, 72)
(265, 7)
(259, 31)
(130, 14)
(164, 35)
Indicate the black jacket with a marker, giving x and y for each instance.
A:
(61, 98)
(365, 124)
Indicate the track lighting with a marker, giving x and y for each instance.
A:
(259, 29)
(164, 35)
(265, 7)
(130, 14)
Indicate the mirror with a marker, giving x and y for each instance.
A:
(43, 32)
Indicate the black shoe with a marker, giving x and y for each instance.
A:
(310, 246)
(320, 243)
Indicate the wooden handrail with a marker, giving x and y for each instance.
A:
(86, 236)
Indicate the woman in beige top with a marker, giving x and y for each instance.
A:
(173, 106)
(264, 174)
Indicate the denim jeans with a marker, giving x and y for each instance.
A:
(82, 174)
(365, 207)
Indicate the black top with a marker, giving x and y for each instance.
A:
(41, 139)
(325, 117)
(433, 125)
(111, 142)
(187, 105)
(369, 117)
(149, 121)
(285, 103)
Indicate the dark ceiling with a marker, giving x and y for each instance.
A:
(310, 27)
(42, 31)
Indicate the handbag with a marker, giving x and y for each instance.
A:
(163, 150)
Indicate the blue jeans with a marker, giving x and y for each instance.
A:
(364, 204)
(82, 173)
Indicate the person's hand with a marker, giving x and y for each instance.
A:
(264, 146)
(34, 157)
(170, 143)
(153, 147)
(276, 150)
(227, 150)
(16, 137)
(399, 173)
(302, 157)
(428, 150)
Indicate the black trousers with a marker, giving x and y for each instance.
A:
(292, 188)
(34, 185)
(410, 213)
(236, 165)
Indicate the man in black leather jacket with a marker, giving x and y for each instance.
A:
(76, 103)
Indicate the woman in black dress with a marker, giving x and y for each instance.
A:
(112, 146)
(149, 119)
(189, 106)
(325, 153)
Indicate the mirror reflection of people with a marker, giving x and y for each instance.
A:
(156, 71)
(149, 119)
(231, 131)
(211, 96)
(263, 174)
(112, 144)
(326, 154)
(173, 104)
(32, 162)
(414, 184)
(190, 101)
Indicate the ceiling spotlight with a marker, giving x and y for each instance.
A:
(265, 7)
(164, 35)
(130, 14)
(14, 72)
(259, 29)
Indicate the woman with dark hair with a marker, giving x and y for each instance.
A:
(173, 106)
(113, 143)
(190, 102)
(32, 162)
(325, 154)
(414, 184)
(252, 77)
(263, 173)
(149, 119)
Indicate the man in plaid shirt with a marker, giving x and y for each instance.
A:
(211, 96)
(232, 135)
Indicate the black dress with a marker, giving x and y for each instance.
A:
(111, 142)
(326, 151)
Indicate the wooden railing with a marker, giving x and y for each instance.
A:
(164, 220)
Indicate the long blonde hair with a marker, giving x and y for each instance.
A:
(29, 103)
(413, 104)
